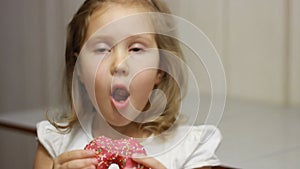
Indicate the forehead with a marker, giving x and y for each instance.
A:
(119, 20)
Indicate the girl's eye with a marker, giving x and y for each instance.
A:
(102, 48)
(137, 48)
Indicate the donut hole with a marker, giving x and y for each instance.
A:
(114, 166)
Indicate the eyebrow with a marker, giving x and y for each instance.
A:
(142, 35)
(111, 40)
(94, 40)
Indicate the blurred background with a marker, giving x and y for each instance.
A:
(259, 45)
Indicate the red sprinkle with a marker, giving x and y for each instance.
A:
(116, 152)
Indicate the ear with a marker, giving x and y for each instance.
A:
(159, 76)
(76, 54)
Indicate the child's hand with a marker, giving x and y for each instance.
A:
(77, 159)
(149, 162)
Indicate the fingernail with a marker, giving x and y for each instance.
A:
(90, 152)
(94, 160)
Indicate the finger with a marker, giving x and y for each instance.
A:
(80, 163)
(149, 162)
(75, 154)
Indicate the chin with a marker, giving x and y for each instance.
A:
(119, 123)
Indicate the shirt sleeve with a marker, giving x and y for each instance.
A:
(50, 138)
(204, 140)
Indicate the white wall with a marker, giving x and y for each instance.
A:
(21, 51)
(32, 43)
(294, 51)
(258, 42)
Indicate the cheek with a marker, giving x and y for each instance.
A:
(102, 83)
(100, 77)
(142, 85)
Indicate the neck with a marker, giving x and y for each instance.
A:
(101, 128)
(130, 130)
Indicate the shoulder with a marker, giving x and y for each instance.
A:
(191, 147)
(49, 137)
(202, 143)
(204, 134)
(57, 142)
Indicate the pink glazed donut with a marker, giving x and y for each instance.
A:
(117, 152)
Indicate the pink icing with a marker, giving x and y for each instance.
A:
(116, 151)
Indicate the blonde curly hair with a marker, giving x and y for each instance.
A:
(76, 36)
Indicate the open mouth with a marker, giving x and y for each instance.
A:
(120, 97)
(120, 94)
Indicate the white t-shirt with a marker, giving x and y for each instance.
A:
(191, 148)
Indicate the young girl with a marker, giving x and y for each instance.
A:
(112, 69)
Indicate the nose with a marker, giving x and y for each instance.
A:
(119, 65)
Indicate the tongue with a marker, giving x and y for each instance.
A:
(120, 95)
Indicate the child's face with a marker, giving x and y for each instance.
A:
(127, 71)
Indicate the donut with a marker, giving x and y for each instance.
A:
(117, 152)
